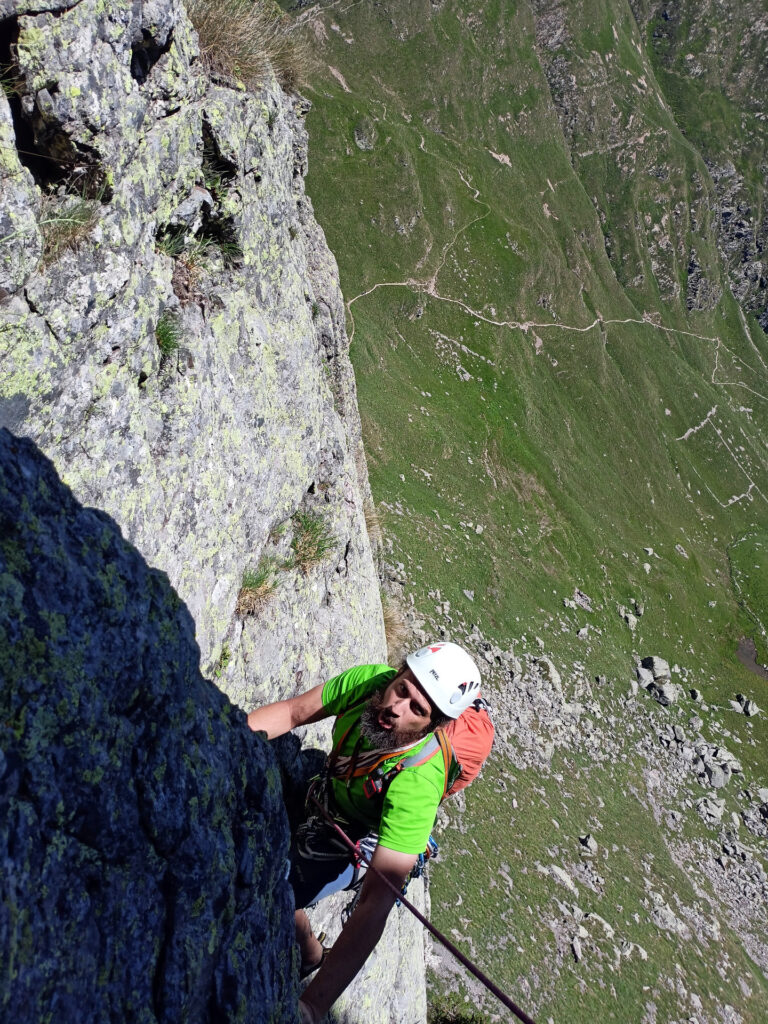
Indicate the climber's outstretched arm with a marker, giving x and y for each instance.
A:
(276, 719)
(361, 933)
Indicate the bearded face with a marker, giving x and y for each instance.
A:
(382, 727)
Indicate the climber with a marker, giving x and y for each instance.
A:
(384, 718)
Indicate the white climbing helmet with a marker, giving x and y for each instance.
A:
(448, 676)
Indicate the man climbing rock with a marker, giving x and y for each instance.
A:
(383, 782)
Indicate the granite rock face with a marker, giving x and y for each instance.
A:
(181, 358)
(204, 446)
(143, 832)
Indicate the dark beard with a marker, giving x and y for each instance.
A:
(385, 739)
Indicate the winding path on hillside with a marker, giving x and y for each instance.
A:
(428, 286)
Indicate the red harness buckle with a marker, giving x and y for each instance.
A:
(372, 786)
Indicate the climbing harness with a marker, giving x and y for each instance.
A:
(367, 846)
(482, 978)
(378, 781)
(314, 840)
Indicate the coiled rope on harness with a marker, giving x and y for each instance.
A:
(482, 978)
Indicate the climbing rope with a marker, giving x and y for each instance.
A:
(482, 978)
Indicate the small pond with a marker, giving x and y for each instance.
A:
(746, 652)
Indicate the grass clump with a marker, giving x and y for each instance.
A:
(277, 532)
(65, 222)
(213, 179)
(223, 660)
(242, 38)
(257, 585)
(171, 244)
(395, 629)
(442, 1013)
(373, 523)
(168, 333)
(311, 542)
(11, 81)
(194, 255)
(197, 251)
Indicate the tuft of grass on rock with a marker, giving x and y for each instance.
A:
(171, 244)
(395, 629)
(277, 532)
(373, 523)
(242, 39)
(11, 81)
(257, 585)
(223, 660)
(196, 252)
(168, 333)
(194, 256)
(312, 540)
(65, 223)
(442, 1013)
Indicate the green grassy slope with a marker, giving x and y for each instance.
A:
(577, 433)
(520, 225)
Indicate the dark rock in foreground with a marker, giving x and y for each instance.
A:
(142, 831)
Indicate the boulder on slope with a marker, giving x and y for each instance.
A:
(658, 666)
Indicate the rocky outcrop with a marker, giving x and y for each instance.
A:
(609, 111)
(681, 41)
(742, 240)
(609, 117)
(172, 337)
(182, 357)
(142, 829)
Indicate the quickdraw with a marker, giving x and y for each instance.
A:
(417, 870)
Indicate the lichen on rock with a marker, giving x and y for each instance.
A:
(199, 452)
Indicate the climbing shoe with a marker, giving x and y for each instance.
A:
(307, 969)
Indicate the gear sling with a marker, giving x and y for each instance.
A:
(465, 743)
